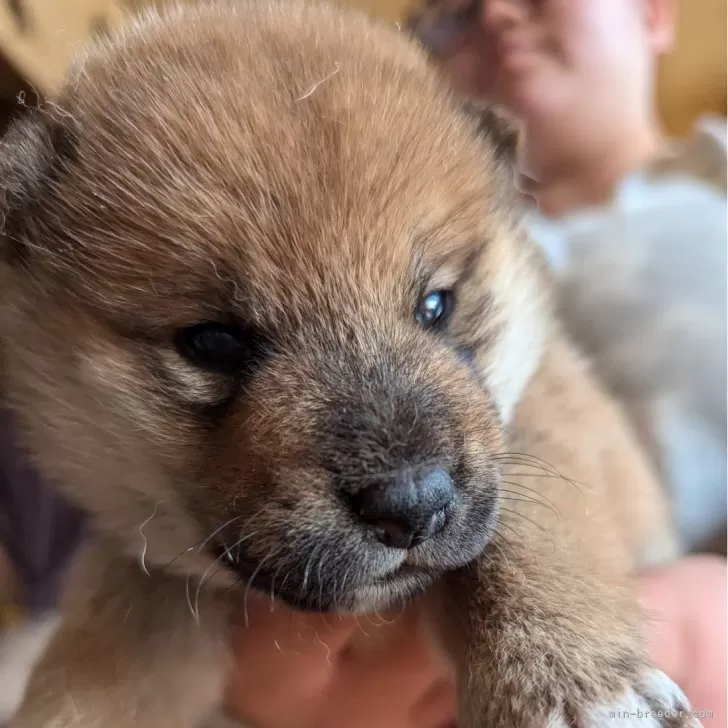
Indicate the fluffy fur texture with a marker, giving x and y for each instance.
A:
(300, 175)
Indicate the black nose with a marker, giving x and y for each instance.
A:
(408, 509)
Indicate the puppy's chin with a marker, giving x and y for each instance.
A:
(394, 588)
(317, 596)
(349, 578)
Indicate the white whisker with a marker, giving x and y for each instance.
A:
(143, 554)
(207, 571)
(250, 584)
(217, 530)
(189, 600)
(328, 649)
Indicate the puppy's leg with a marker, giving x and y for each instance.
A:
(129, 654)
(544, 629)
(531, 655)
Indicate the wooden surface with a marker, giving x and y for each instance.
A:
(693, 76)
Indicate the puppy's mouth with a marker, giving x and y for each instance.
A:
(311, 590)
(325, 581)
(315, 595)
(356, 565)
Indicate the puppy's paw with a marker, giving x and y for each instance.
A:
(655, 702)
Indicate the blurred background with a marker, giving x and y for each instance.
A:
(37, 38)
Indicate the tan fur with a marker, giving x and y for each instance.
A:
(307, 170)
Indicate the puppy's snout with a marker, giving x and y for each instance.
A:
(407, 509)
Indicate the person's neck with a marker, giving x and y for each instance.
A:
(565, 170)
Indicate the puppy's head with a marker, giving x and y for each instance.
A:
(266, 303)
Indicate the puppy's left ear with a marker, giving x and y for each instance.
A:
(34, 153)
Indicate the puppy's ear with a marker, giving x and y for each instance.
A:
(501, 135)
(35, 152)
(500, 130)
(442, 26)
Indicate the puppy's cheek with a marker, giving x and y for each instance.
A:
(478, 476)
(121, 382)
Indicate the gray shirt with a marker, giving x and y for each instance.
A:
(643, 293)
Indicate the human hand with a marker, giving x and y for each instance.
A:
(297, 670)
(687, 603)
(308, 670)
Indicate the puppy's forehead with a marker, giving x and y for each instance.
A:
(263, 147)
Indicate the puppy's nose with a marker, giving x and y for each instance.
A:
(408, 509)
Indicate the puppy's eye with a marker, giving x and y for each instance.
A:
(434, 308)
(215, 346)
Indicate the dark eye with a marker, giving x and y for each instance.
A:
(434, 308)
(216, 346)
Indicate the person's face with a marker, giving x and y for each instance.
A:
(537, 56)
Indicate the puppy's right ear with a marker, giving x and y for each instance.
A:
(35, 152)
(442, 27)
(500, 130)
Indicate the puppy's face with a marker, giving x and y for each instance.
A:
(267, 314)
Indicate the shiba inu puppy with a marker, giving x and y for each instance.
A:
(269, 317)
